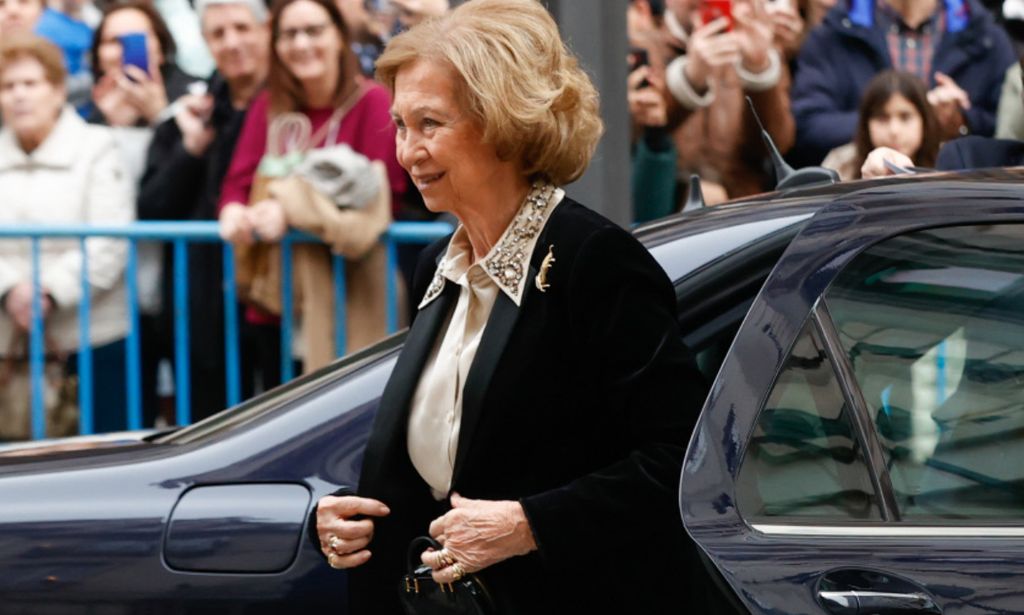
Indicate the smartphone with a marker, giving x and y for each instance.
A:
(133, 51)
(711, 10)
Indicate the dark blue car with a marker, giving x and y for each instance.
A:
(816, 449)
(862, 449)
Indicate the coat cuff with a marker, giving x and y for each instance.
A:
(63, 286)
(682, 90)
(766, 79)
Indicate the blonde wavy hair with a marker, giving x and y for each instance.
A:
(518, 80)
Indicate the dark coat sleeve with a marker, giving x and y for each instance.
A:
(951, 158)
(172, 180)
(621, 308)
(990, 73)
(822, 121)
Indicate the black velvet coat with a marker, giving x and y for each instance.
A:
(579, 404)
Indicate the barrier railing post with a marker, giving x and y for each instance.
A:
(133, 366)
(287, 372)
(340, 311)
(231, 350)
(36, 349)
(392, 284)
(181, 234)
(85, 377)
(182, 360)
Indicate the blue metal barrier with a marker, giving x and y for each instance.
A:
(180, 235)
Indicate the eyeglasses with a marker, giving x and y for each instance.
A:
(314, 31)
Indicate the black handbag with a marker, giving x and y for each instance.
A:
(421, 595)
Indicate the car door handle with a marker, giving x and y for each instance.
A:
(867, 602)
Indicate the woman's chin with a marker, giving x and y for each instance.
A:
(309, 73)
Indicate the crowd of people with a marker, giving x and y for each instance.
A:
(265, 116)
(832, 81)
(261, 117)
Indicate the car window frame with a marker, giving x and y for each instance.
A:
(891, 525)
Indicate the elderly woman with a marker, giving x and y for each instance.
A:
(56, 169)
(536, 421)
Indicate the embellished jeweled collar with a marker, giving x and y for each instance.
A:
(509, 260)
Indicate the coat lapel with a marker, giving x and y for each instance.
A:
(500, 325)
(388, 437)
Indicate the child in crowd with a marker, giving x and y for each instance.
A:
(894, 113)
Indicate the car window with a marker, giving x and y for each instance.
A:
(932, 324)
(681, 258)
(804, 459)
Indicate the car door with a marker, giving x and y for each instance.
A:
(862, 450)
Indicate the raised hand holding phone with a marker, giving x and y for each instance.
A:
(134, 51)
(710, 10)
(144, 92)
(711, 48)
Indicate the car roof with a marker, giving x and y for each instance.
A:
(882, 192)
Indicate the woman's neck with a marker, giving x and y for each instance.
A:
(485, 222)
(320, 92)
(29, 143)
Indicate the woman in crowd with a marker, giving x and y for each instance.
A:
(56, 169)
(313, 73)
(894, 113)
(126, 95)
(536, 420)
(60, 24)
(133, 101)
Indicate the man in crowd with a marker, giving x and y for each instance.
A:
(955, 46)
(187, 160)
(717, 65)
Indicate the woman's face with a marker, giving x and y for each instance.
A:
(439, 144)
(897, 125)
(308, 43)
(126, 21)
(29, 103)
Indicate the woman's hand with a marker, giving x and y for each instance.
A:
(113, 103)
(234, 225)
(710, 50)
(646, 104)
(268, 220)
(476, 534)
(143, 92)
(18, 305)
(788, 28)
(754, 35)
(342, 539)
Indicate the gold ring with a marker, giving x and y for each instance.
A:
(330, 561)
(333, 542)
(445, 558)
(457, 571)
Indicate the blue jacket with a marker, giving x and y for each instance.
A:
(841, 56)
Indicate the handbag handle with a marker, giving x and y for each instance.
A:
(418, 546)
